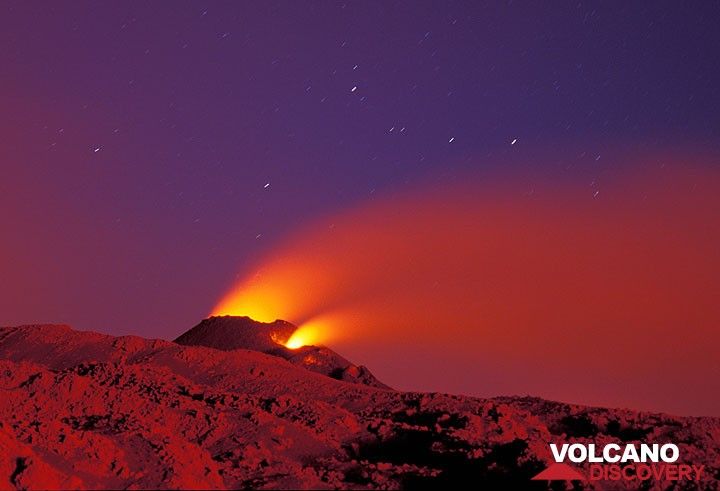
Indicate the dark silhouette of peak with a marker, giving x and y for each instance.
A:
(231, 333)
(228, 333)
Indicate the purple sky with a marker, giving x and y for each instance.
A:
(139, 139)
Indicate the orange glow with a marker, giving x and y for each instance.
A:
(255, 299)
(312, 333)
(609, 299)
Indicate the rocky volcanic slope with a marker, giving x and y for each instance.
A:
(86, 410)
(231, 333)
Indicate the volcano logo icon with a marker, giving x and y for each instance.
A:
(560, 472)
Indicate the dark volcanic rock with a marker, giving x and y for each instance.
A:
(325, 361)
(86, 410)
(229, 333)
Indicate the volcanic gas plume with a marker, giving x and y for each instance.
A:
(605, 298)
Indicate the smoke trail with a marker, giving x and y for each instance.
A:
(609, 299)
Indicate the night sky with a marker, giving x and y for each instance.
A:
(152, 153)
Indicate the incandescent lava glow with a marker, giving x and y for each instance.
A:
(539, 287)
(308, 334)
(314, 332)
(295, 342)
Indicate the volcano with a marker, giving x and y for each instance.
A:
(227, 405)
(230, 333)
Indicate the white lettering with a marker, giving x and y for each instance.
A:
(664, 453)
(612, 453)
(630, 454)
(577, 453)
(592, 456)
(606, 452)
(649, 453)
(559, 456)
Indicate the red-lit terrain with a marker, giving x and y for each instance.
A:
(87, 410)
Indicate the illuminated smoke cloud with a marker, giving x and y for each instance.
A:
(608, 298)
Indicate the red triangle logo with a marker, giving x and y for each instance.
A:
(560, 472)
